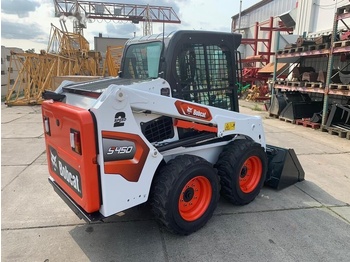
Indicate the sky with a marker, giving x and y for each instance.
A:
(27, 23)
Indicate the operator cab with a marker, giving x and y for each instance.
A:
(200, 66)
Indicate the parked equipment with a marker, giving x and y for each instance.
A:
(293, 105)
(339, 116)
(167, 131)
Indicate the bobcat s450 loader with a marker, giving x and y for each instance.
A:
(167, 130)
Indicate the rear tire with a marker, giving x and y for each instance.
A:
(184, 194)
(242, 167)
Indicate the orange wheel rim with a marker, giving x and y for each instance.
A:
(250, 175)
(195, 198)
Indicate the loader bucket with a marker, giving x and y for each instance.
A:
(284, 168)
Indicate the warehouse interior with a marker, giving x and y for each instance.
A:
(294, 61)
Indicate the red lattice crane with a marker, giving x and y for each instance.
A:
(83, 10)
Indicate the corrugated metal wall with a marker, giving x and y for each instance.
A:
(274, 8)
(320, 16)
(313, 18)
(305, 12)
(262, 14)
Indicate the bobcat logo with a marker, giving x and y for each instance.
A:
(193, 110)
(53, 160)
(189, 110)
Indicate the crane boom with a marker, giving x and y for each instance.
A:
(115, 11)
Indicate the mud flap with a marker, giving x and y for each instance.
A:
(284, 168)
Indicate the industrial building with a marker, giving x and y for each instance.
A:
(109, 47)
(301, 49)
(306, 18)
(101, 43)
(8, 73)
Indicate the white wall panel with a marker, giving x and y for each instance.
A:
(274, 8)
(304, 17)
(324, 14)
(315, 17)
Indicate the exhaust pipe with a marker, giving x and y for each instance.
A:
(284, 168)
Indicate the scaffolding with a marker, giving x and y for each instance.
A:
(111, 65)
(67, 54)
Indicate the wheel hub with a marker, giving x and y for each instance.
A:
(244, 171)
(250, 175)
(188, 194)
(195, 198)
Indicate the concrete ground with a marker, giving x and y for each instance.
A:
(309, 221)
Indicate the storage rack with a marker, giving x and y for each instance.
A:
(335, 48)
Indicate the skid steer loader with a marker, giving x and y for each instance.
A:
(167, 130)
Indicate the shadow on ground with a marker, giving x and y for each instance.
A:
(235, 233)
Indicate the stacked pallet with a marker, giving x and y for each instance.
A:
(336, 131)
(306, 122)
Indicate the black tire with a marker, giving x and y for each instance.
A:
(242, 167)
(184, 194)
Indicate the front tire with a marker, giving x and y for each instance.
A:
(242, 167)
(184, 194)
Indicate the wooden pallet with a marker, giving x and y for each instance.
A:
(339, 86)
(273, 116)
(311, 48)
(295, 84)
(341, 43)
(323, 128)
(292, 121)
(307, 123)
(317, 47)
(300, 49)
(307, 48)
(290, 50)
(322, 46)
(314, 85)
(344, 128)
(336, 131)
(280, 82)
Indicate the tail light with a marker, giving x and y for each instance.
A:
(47, 125)
(75, 142)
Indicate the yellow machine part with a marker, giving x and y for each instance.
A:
(112, 62)
(67, 55)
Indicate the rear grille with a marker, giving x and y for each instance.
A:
(158, 129)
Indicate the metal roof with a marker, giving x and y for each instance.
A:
(253, 7)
